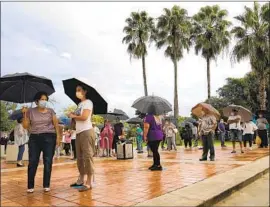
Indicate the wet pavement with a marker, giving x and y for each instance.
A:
(119, 183)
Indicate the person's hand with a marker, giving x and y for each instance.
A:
(24, 109)
(71, 115)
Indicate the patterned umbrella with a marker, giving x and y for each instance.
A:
(197, 110)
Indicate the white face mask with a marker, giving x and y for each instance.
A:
(42, 103)
(79, 95)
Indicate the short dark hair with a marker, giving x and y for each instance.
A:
(39, 95)
(19, 120)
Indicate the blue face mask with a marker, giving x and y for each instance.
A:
(42, 103)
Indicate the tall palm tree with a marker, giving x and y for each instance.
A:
(210, 35)
(173, 32)
(253, 43)
(138, 33)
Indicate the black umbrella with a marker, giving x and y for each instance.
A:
(16, 115)
(134, 120)
(100, 105)
(22, 87)
(153, 104)
(117, 113)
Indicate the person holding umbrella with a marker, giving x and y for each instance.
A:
(44, 136)
(153, 135)
(85, 139)
(234, 122)
(208, 124)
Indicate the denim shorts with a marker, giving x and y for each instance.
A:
(236, 135)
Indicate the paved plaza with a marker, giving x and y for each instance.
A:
(119, 183)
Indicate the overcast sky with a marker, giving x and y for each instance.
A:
(84, 40)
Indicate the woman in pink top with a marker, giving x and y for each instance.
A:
(106, 132)
(67, 142)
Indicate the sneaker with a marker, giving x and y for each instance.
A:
(233, 151)
(203, 159)
(150, 168)
(157, 168)
(242, 151)
(47, 190)
(30, 190)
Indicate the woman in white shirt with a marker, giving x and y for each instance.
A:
(248, 131)
(85, 139)
(21, 138)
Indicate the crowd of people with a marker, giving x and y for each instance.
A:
(39, 128)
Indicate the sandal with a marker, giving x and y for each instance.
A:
(76, 185)
(85, 188)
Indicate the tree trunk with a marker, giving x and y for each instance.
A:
(208, 78)
(176, 106)
(144, 76)
(262, 93)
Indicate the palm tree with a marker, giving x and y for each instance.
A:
(138, 33)
(253, 43)
(210, 35)
(173, 32)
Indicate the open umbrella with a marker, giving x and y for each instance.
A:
(245, 114)
(100, 105)
(134, 120)
(117, 113)
(22, 87)
(156, 104)
(197, 110)
(16, 115)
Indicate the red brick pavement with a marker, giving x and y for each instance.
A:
(120, 183)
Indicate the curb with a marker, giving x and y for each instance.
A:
(214, 189)
(228, 192)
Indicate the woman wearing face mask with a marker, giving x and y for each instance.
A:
(43, 125)
(262, 130)
(85, 139)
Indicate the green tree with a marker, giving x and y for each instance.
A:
(253, 44)
(173, 32)
(70, 109)
(99, 120)
(138, 33)
(210, 35)
(5, 123)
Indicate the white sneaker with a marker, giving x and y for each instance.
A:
(30, 190)
(47, 189)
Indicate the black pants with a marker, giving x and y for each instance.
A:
(208, 144)
(154, 145)
(67, 148)
(263, 135)
(41, 143)
(188, 142)
(248, 138)
(115, 141)
(74, 148)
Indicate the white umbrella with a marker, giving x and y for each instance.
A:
(245, 114)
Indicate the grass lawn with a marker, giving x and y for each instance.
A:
(216, 142)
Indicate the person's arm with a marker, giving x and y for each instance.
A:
(83, 117)
(26, 121)
(56, 126)
(146, 127)
(265, 121)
